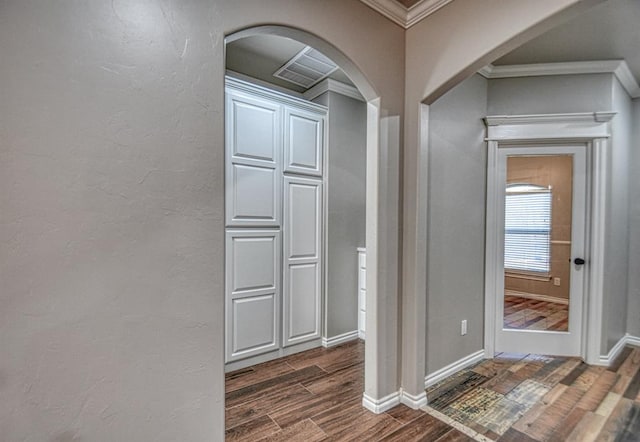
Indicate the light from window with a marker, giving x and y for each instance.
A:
(527, 227)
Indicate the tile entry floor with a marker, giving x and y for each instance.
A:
(317, 395)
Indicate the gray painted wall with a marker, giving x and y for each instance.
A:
(457, 182)
(633, 312)
(558, 94)
(617, 239)
(111, 207)
(346, 187)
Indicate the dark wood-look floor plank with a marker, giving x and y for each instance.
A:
(349, 377)
(332, 359)
(252, 430)
(253, 391)
(404, 414)
(554, 415)
(355, 423)
(258, 373)
(293, 413)
(268, 403)
(574, 374)
(303, 431)
(616, 421)
(425, 428)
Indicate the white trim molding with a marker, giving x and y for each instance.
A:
(619, 68)
(571, 126)
(340, 339)
(627, 339)
(381, 405)
(406, 17)
(411, 401)
(593, 129)
(453, 368)
(333, 86)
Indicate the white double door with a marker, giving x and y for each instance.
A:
(274, 222)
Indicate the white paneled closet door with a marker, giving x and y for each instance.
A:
(303, 142)
(252, 292)
(302, 245)
(254, 146)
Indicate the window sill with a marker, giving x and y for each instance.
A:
(530, 276)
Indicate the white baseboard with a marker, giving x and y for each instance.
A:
(633, 340)
(339, 339)
(607, 360)
(380, 405)
(537, 297)
(411, 401)
(451, 369)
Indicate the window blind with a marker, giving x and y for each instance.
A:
(528, 231)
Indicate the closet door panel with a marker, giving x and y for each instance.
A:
(304, 140)
(252, 292)
(254, 196)
(253, 148)
(302, 285)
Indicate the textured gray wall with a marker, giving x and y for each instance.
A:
(346, 174)
(457, 177)
(541, 95)
(633, 312)
(111, 207)
(616, 258)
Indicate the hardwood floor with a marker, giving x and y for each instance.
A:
(317, 395)
(530, 314)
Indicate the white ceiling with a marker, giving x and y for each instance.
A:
(259, 57)
(608, 31)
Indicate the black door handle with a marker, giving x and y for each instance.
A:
(578, 261)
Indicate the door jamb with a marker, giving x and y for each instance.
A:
(592, 129)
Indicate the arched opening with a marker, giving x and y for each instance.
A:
(371, 130)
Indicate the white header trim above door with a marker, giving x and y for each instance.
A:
(592, 128)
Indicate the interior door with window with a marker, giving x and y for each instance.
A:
(541, 206)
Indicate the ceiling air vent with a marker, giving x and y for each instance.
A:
(306, 68)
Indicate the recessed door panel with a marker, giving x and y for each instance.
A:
(302, 259)
(253, 163)
(254, 195)
(254, 325)
(254, 127)
(304, 137)
(303, 306)
(303, 204)
(252, 294)
(253, 263)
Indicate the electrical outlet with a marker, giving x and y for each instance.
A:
(463, 327)
(556, 281)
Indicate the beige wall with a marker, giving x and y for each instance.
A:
(557, 172)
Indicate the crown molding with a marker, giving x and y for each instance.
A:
(619, 68)
(333, 86)
(404, 17)
(569, 118)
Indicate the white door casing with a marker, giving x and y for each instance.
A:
(545, 341)
(302, 277)
(593, 130)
